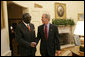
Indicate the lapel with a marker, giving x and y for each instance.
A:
(43, 31)
(50, 29)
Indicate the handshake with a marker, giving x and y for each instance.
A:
(33, 44)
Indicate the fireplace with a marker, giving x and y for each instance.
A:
(64, 38)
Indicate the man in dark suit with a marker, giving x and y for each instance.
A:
(25, 36)
(48, 33)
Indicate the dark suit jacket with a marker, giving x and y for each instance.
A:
(52, 43)
(24, 38)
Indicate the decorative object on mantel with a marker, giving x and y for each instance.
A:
(63, 22)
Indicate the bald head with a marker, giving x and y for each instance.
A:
(26, 18)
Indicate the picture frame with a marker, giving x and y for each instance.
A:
(77, 40)
(80, 17)
(2, 16)
(60, 11)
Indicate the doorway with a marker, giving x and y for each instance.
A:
(15, 13)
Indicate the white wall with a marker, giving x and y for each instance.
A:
(5, 49)
(72, 7)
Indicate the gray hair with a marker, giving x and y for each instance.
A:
(47, 16)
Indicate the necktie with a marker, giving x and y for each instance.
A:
(46, 32)
(28, 28)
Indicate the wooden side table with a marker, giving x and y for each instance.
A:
(81, 53)
(81, 50)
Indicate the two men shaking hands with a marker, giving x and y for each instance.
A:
(48, 33)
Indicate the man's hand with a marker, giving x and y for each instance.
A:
(57, 53)
(33, 44)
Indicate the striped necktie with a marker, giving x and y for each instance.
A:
(46, 32)
(28, 28)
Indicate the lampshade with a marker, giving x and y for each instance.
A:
(79, 29)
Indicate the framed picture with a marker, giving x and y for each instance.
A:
(2, 16)
(77, 40)
(80, 17)
(60, 11)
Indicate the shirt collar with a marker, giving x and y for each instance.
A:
(48, 24)
(25, 23)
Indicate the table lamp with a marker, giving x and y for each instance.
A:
(79, 30)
